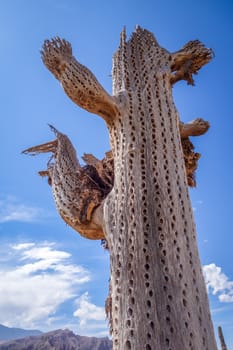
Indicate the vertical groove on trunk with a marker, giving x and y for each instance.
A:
(158, 294)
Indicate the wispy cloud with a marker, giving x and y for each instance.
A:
(23, 246)
(36, 283)
(88, 311)
(218, 283)
(197, 204)
(218, 310)
(11, 209)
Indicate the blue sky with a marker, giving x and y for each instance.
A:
(50, 277)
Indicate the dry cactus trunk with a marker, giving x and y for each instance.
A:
(158, 298)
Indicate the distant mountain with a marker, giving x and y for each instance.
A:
(58, 340)
(7, 333)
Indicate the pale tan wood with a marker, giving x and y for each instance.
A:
(196, 127)
(157, 298)
(78, 191)
(158, 294)
(77, 80)
(188, 60)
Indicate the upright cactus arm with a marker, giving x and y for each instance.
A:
(78, 81)
(188, 60)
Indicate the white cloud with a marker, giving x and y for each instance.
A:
(88, 311)
(218, 310)
(45, 253)
(22, 246)
(39, 282)
(12, 210)
(226, 298)
(198, 204)
(218, 283)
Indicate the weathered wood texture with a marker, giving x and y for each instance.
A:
(78, 191)
(158, 298)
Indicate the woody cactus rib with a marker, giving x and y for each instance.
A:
(157, 297)
(78, 191)
(77, 80)
(188, 61)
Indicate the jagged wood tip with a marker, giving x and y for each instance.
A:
(79, 191)
(43, 148)
(55, 55)
(188, 60)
